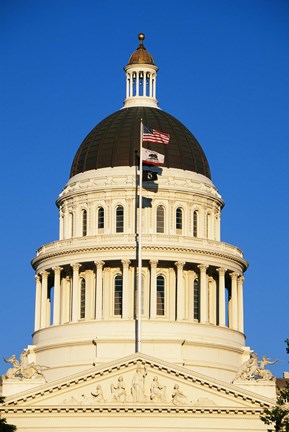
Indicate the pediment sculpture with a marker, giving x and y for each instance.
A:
(23, 370)
(254, 369)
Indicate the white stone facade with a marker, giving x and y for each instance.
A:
(83, 370)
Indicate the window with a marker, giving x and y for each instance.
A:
(160, 296)
(100, 218)
(119, 219)
(118, 295)
(207, 226)
(82, 298)
(179, 220)
(84, 222)
(160, 219)
(196, 300)
(71, 224)
(195, 223)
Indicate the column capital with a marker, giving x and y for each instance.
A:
(221, 271)
(180, 265)
(234, 275)
(44, 273)
(106, 269)
(75, 266)
(125, 263)
(154, 263)
(99, 264)
(202, 267)
(210, 279)
(241, 279)
(37, 277)
(57, 269)
(192, 273)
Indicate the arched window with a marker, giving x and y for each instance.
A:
(196, 300)
(82, 298)
(119, 219)
(100, 218)
(84, 222)
(179, 220)
(160, 219)
(118, 295)
(195, 223)
(160, 296)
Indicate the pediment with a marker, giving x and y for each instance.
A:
(138, 382)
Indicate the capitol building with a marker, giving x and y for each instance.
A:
(139, 315)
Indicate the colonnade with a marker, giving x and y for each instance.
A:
(219, 296)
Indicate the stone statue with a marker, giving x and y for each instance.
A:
(23, 369)
(157, 391)
(14, 372)
(261, 373)
(178, 397)
(138, 384)
(252, 369)
(98, 395)
(118, 390)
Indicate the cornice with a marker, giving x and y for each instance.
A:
(150, 249)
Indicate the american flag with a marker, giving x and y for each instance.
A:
(155, 136)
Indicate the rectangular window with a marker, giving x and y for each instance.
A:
(118, 295)
(160, 296)
(100, 222)
(119, 219)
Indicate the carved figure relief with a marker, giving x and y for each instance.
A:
(98, 395)
(157, 391)
(178, 397)
(138, 384)
(118, 390)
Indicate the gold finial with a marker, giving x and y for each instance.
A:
(141, 37)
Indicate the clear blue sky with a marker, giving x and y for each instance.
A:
(224, 72)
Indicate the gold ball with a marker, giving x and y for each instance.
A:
(141, 36)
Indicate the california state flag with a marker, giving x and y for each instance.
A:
(151, 157)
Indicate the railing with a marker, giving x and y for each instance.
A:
(161, 240)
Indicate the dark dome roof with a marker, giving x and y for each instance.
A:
(114, 141)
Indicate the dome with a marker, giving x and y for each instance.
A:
(115, 141)
(141, 55)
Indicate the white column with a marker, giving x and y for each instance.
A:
(125, 287)
(44, 293)
(192, 277)
(240, 304)
(37, 322)
(144, 83)
(222, 298)
(89, 295)
(153, 290)
(180, 291)
(234, 301)
(203, 293)
(56, 302)
(212, 288)
(75, 291)
(108, 289)
(99, 290)
(155, 87)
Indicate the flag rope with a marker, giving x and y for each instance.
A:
(139, 327)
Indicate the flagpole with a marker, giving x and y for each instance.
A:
(140, 244)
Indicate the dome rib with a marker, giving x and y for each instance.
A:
(114, 141)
